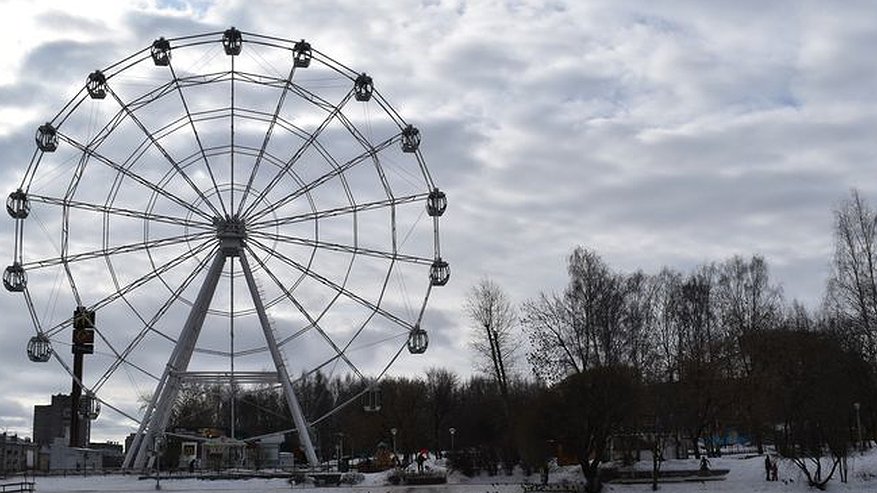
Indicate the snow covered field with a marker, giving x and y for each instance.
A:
(746, 475)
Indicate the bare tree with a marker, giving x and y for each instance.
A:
(665, 334)
(852, 288)
(441, 385)
(699, 353)
(747, 300)
(814, 385)
(495, 338)
(797, 317)
(640, 320)
(596, 297)
(748, 304)
(558, 347)
(589, 408)
(584, 327)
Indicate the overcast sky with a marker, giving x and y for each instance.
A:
(657, 133)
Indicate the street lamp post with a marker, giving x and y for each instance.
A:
(857, 406)
(340, 436)
(158, 444)
(452, 431)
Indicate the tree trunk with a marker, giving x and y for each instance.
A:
(591, 471)
(656, 462)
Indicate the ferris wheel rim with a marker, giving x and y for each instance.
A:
(262, 213)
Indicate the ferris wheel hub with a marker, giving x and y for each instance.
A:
(231, 232)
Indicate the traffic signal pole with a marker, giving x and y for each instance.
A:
(83, 343)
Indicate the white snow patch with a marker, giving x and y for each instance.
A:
(746, 474)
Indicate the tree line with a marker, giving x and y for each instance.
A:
(692, 354)
(657, 356)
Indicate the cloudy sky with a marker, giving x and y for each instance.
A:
(657, 133)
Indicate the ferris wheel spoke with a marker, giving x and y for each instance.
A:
(311, 320)
(298, 154)
(139, 282)
(337, 170)
(127, 248)
(148, 325)
(364, 142)
(339, 211)
(164, 152)
(281, 83)
(268, 133)
(389, 110)
(84, 387)
(338, 247)
(117, 211)
(200, 144)
(31, 308)
(171, 87)
(319, 367)
(125, 63)
(332, 285)
(231, 137)
(354, 132)
(134, 176)
(295, 335)
(346, 403)
(117, 355)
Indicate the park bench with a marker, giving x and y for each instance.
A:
(425, 478)
(553, 487)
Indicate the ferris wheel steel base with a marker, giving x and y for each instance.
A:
(231, 235)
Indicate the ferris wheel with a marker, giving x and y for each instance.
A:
(226, 208)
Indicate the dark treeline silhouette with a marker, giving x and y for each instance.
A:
(695, 354)
(422, 410)
(674, 355)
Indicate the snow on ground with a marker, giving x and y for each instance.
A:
(746, 475)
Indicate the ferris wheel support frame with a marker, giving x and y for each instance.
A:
(231, 233)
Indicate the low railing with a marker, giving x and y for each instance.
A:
(13, 487)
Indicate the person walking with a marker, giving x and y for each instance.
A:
(768, 467)
(421, 458)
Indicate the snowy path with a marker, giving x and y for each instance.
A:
(746, 475)
(129, 484)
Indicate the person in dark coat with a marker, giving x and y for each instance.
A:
(768, 467)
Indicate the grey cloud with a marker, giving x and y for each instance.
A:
(658, 135)
(151, 26)
(70, 22)
(60, 63)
